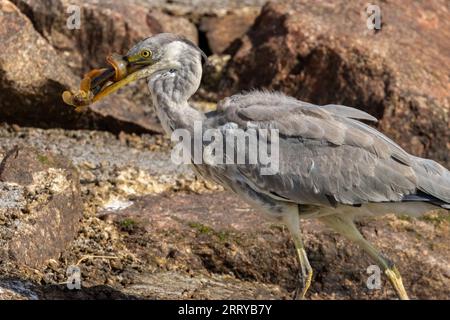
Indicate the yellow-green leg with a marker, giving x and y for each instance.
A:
(345, 226)
(292, 221)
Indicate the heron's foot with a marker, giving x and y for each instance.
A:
(301, 290)
(292, 222)
(307, 275)
(396, 280)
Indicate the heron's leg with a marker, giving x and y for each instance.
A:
(292, 221)
(345, 226)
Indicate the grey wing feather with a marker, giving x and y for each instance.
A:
(433, 179)
(299, 119)
(348, 112)
(315, 173)
(326, 156)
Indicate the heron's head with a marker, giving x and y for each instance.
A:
(167, 61)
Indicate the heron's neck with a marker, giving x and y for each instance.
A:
(171, 91)
(175, 114)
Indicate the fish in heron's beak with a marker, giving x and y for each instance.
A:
(99, 83)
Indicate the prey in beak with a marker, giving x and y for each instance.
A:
(99, 83)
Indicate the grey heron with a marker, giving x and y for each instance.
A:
(332, 166)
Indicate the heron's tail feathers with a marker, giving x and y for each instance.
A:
(434, 180)
(423, 197)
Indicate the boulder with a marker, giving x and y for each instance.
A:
(221, 31)
(324, 53)
(209, 235)
(129, 111)
(105, 27)
(150, 230)
(40, 57)
(40, 206)
(31, 79)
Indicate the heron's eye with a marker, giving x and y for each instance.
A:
(146, 53)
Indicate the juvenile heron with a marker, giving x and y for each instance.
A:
(331, 166)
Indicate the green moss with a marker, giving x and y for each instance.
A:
(277, 227)
(404, 217)
(223, 236)
(201, 228)
(127, 224)
(436, 218)
(43, 159)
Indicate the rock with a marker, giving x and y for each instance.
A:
(130, 111)
(40, 206)
(17, 290)
(160, 285)
(324, 53)
(180, 285)
(105, 27)
(213, 72)
(194, 242)
(33, 75)
(31, 79)
(196, 10)
(221, 31)
(40, 57)
(210, 234)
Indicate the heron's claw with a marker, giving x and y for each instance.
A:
(396, 281)
(306, 284)
(301, 290)
(307, 275)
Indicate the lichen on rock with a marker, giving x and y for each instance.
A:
(40, 205)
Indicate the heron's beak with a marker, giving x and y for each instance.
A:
(107, 90)
(100, 83)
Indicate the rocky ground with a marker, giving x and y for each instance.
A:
(98, 191)
(153, 230)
